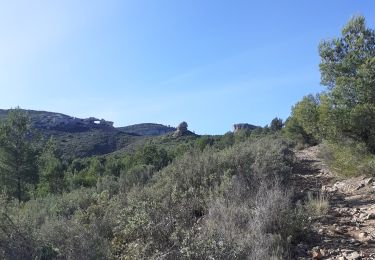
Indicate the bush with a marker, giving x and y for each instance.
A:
(72, 240)
(348, 158)
(162, 220)
(255, 225)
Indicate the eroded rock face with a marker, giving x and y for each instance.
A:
(243, 126)
(182, 127)
(71, 124)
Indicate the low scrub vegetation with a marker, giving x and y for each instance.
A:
(222, 204)
(348, 159)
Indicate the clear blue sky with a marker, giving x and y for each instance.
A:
(211, 63)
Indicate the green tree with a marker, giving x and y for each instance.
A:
(348, 70)
(18, 169)
(327, 130)
(151, 155)
(303, 123)
(276, 124)
(51, 170)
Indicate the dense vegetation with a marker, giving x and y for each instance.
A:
(187, 197)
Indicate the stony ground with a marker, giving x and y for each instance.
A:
(347, 229)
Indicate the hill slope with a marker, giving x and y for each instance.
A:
(147, 129)
(79, 137)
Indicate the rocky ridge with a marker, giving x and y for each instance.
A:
(243, 126)
(148, 129)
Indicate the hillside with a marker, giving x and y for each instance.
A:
(147, 129)
(79, 137)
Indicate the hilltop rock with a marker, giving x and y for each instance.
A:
(182, 130)
(243, 126)
(182, 127)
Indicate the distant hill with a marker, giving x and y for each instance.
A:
(79, 137)
(60, 122)
(147, 129)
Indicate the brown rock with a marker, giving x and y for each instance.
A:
(360, 186)
(353, 256)
(317, 254)
(363, 236)
(368, 181)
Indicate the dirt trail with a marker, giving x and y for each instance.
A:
(347, 231)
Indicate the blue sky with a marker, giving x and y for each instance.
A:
(211, 63)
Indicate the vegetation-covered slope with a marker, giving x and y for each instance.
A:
(86, 137)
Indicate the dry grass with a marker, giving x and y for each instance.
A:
(317, 205)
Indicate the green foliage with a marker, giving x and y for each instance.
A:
(327, 115)
(182, 193)
(204, 141)
(84, 173)
(246, 225)
(344, 59)
(51, 170)
(276, 124)
(304, 120)
(347, 109)
(226, 140)
(188, 209)
(349, 158)
(136, 176)
(18, 169)
(151, 155)
(347, 69)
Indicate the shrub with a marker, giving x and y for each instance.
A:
(228, 203)
(243, 225)
(348, 158)
(160, 220)
(71, 240)
(317, 206)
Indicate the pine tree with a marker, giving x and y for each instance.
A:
(18, 171)
(51, 170)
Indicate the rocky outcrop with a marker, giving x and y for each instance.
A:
(182, 130)
(243, 126)
(182, 127)
(71, 124)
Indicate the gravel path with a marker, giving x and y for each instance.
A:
(347, 231)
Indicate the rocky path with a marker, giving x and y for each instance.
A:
(347, 229)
